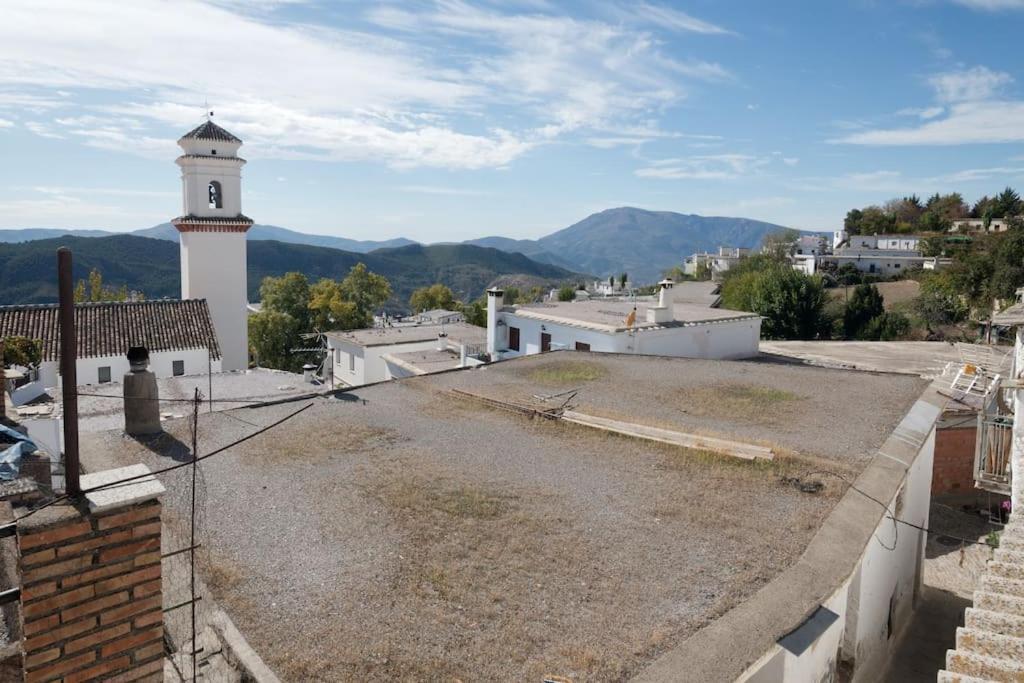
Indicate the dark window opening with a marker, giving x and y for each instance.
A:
(213, 151)
(545, 342)
(513, 338)
(178, 368)
(104, 374)
(216, 199)
(580, 346)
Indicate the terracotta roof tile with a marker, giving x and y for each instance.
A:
(109, 328)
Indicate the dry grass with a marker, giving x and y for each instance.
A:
(461, 501)
(346, 440)
(765, 405)
(567, 372)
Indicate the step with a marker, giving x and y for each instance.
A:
(990, 644)
(950, 677)
(994, 583)
(1006, 570)
(997, 602)
(994, 622)
(980, 666)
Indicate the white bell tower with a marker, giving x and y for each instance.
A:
(212, 234)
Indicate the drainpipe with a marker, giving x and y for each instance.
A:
(1017, 449)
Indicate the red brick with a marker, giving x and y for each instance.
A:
(62, 666)
(71, 613)
(94, 575)
(131, 609)
(130, 549)
(49, 571)
(50, 536)
(150, 529)
(93, 543)
(94, 672)
(41, 607)
(133, 641)
(29, 593)
(150, 618)
(148, 588)
(142, 671)
(48, 555)
(96, 638)
(41, 657)
(147, 559)
(32, 627)
(120, 582)
(33, 643)
(138, 514)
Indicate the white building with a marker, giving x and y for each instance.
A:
(439, 316)
(978, 225)
(882, 262)
(664, 327)
(885, 242)
(179, 335)
(718, 263)
(212, 233)
(363, 356)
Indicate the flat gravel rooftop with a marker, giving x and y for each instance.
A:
(398, 532)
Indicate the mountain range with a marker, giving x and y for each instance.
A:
(28, 269)
(626, 239)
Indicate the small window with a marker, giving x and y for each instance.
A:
(351, 362)
(178, 368)
(216, 199)
(213, 151)
(897, 265)
(104, 374)
(513, 338)
(580, 346)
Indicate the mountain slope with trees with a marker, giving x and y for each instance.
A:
(28, 270)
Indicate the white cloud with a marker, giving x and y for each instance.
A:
(441, 190)
(969, 122)
(43, 130)
(969, 85)
(922, 112)
(4, 123)
(706, 167)
(991, 5)
(405, 99)
(790, 161)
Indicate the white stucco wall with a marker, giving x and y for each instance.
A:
(213, 267)
(161, 363)
(721, 340)
(370, 365)
(890, 568)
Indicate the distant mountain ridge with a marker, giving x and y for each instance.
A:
(27, 270)
(626, 239)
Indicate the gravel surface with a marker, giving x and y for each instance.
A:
(399, 533)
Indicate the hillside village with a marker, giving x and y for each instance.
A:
(650, 446)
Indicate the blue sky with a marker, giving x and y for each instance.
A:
(452, 120)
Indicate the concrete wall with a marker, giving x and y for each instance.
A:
(161, 363)
(213, 267)
(723, 340)
(370, 365)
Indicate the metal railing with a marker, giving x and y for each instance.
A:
(992, 454)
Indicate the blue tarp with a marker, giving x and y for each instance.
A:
(10, 457)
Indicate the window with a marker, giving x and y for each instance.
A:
(178, 368)
(351, 362)
(104, 374)
(545, 342)
(216, 199)
(897, 265)
(513, 338)
(213, 151)
(580, 346)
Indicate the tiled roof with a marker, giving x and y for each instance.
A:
(209, 131)
(109, 328)
(240, 218)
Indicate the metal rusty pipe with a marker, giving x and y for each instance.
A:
(68, 370)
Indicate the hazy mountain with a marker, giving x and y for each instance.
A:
(642, 243)
(28, 270)
(166, 231)
(32, 234)
(531, 248)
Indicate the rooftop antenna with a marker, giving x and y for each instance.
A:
(207, 112)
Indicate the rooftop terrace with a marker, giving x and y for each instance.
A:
(407, 334)
(400, 532)
(610, 316)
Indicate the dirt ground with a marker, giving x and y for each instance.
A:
(894, 293)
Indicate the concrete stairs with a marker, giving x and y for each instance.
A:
(990, 645)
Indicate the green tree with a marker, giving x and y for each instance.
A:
(272, 336)
(511, 296)
(432, 297)
(611, 281)
(886, 327)
(623, 279)
(329, 309)
(566, 293)
(367, 291)
(288, 294)
(791, 302)
(21, 351)
(475, 312)
(95, 290)
(781, 244)
(864, 305)
(1007, 204)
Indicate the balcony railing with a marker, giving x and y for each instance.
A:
(992, 454)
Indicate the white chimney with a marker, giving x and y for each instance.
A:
(495, 302)
(662, 313)
(442, 341)
(462, 355)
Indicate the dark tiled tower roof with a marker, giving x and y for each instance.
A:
(209, 131)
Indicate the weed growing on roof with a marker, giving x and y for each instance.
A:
(739, 401)
(567, 372)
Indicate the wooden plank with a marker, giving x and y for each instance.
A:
(737, 449)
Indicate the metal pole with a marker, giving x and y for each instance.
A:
(68, 370)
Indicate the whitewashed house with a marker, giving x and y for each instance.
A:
(179, 335)
(663, 327)
(439, 316)
(366, 356)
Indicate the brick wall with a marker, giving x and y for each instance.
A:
(91, 594)
(953, 471)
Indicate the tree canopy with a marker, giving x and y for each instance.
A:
(433, 297)
(21, 351)
(95, 290)
(791, 302)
